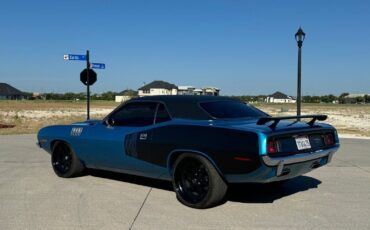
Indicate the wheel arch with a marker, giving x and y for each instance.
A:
(178, 152)
(61, 141)
(55, 141)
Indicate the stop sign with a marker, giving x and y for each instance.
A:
(92, 77)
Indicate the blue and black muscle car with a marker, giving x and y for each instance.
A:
(200, 143)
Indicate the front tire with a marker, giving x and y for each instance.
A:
(64, 161)
(197, 183)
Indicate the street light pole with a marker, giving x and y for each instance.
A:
(299, 36)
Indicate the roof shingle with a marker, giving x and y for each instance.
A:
(158, 85)
(8, 90)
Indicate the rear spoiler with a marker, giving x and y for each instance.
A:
(264, 120)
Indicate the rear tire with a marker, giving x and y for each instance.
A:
(64, 161)
(196, 182)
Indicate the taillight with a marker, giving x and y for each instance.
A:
(271, 147)
(329, 139)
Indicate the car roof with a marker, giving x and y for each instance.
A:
(185, 106)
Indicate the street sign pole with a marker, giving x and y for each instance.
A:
(88, 84)
(87, 76)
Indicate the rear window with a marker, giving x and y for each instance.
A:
(231, 109)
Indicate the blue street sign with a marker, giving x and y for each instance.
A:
(97, 65)
(74, 57)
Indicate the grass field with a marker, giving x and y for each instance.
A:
(29, 116)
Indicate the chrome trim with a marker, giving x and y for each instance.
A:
(281, 161)
(280, 167)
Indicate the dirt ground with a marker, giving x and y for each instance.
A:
(350, 120)
(30, 116)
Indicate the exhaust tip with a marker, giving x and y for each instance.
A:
(315, 164)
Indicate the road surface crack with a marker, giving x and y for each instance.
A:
(142, 205)
(353, 165)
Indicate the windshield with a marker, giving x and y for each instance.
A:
(231, 110)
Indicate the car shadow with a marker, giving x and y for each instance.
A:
(132, 179)
(243, 193)
(268, 193)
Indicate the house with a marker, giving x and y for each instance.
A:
(211, 91)
(279, 97)
(165, 88)
(356, 98)
(125, 95)
(190, 90)
(185, 90)
(120, 98)
(8, 92)
(158, 88)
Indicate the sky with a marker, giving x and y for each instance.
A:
(243, 47)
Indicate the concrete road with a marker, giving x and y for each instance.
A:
(32, 197)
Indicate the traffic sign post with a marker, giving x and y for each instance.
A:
(88, 83)
(75, 57)
(87, 76)
(92, 77)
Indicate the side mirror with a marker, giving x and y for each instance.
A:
(109, 122)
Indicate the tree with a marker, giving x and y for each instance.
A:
(342, 98)
(367, 98)
(109, 96)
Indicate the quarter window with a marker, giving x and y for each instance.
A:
(162, 114)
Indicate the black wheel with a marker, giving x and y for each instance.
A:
(197, 183)
(64, 161)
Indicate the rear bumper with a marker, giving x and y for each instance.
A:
(303, 157)
(282, 168)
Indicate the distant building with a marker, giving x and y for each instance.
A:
(165, 88)
(279, 97)
(125, 95)
(185, 90)
(354, 98)
(158, 88)
(198, 91)
(211, 91)
(8, 92)
(120, 98)
(190, 90)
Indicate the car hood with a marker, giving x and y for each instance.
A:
(88, 122)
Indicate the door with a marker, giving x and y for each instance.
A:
(124, 140)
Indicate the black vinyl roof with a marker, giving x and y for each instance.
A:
(185, 106)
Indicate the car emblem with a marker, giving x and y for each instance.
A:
(76, 131)
(143, 136)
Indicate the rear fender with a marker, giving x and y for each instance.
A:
(177, 152)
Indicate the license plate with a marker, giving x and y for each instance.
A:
(302, 143)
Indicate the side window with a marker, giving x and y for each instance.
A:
(162, 114)
(135, 114)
